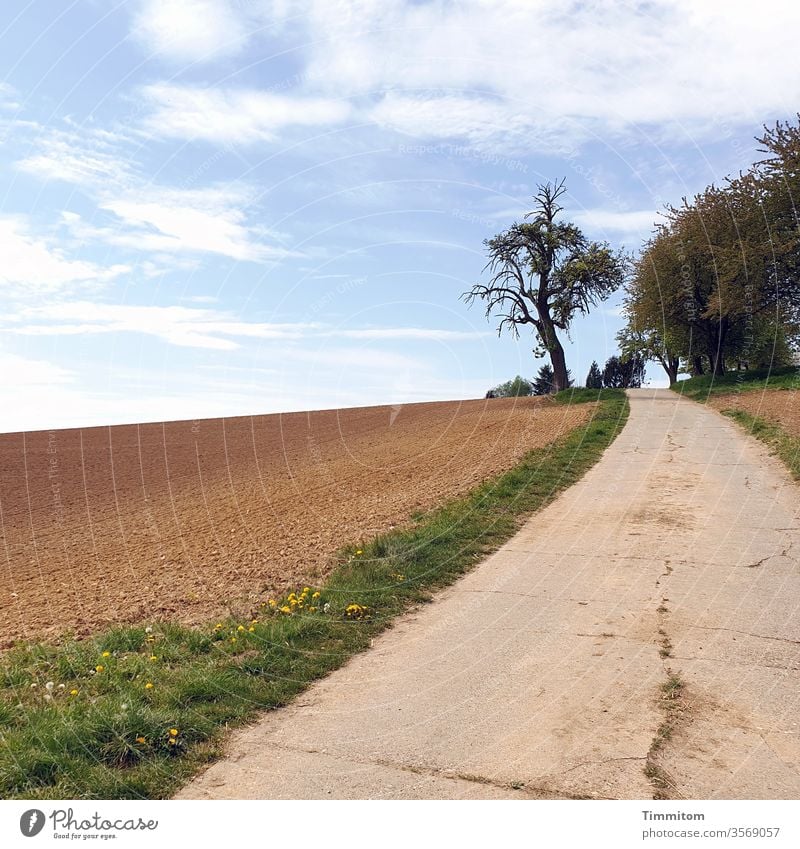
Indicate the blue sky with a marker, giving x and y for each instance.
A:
(222, 207)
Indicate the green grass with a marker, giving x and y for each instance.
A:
(784, 444)
(580, 395)
(78, 719)
(701, 388)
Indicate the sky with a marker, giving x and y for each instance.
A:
(231, 207)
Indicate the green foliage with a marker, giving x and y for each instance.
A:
(584, 395)
(623, 372)
(515, 388)
(79, 721)
(594, 379)
(543, 383)
(701, 388)
(785, 445)
(718, 283)
(542, 273)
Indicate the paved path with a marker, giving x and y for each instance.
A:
(540, 674)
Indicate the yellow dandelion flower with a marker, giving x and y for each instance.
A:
(73, 692)
(316, 595)
(359, 552)
(240, 628)
(173, 741)
(148, 685)
(312, 609)
(273, 603)
(173, 732)
(106, 654)
(306, 589)
(286, 609)
(251, 630)
(141, 739)
(233, 639)
(153, 657)
(254, 621)
(99, 668)
(219, 626)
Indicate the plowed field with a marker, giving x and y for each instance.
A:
(777, 405)
(188, 520)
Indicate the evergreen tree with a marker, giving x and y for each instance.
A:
(543, 383)
(594, 380)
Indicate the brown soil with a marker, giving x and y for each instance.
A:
(188, 520)
(776, 405)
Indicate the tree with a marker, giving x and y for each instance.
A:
(543, 272)
(543, 382)
(515, 388)
(718, 284)
(649, 345)
(623, 372)
(594, 380)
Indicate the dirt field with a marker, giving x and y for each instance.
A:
(186, 519)
(777, 405)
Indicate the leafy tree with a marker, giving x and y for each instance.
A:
(718, 284)
(612, 373)
(649, 345)
(515, 388)
(623, 372)
(543, 272)
(594, 379)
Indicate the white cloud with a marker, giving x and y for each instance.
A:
(30, 263)
(411, 333)
(85, 158)
(596, 222)
(482, 122)
(169, 221)
(181, 326)
(551, 74)
(240, 116)
(22, 372)
(508, 75)
(8, 97)
(190, 30)
(205, 328)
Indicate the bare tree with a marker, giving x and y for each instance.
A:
(543, 272)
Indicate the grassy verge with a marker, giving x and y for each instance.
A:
(134, 712)
(785, 445)
(702, 388)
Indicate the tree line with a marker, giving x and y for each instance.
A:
(716, 286)
(618, 373)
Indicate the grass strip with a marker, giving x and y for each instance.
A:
(703, 387)
(786, 446)
(783, 443)
(134, 712)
